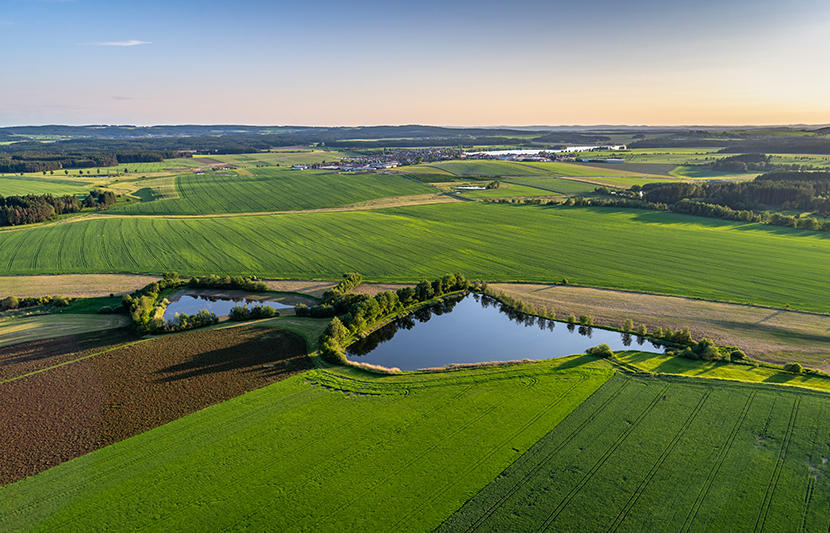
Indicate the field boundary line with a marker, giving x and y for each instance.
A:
(518, 484)
(601, 461)
(658, 464)
(713, 472)
(472, 468)
(779, 466)
(35, 372)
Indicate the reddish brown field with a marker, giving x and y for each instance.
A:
(58, 414)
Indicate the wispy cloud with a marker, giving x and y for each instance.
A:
(120, 43)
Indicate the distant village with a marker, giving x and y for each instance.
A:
(394, 158)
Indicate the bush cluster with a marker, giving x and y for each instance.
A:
(183, 321)
(600, 350)
(13, 302)
(227, 282)
(240, 312)
(350, 281)
(141, 303)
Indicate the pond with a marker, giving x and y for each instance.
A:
(478, 329)
(220, 304)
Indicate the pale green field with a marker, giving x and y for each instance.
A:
(507, 190)
(666, 364)
(17, 330)
(23, 185)
(281, 158)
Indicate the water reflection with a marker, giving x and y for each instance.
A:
(472, 329)
(220, 305)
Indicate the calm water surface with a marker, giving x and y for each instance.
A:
(221, 306)
(477, 329)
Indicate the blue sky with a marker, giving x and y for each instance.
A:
(445, 63)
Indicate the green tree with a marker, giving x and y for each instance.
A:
(336, 331)
(628, 325)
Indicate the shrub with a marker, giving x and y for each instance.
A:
(263, 311)
(238, 313)
(571, 319)
(333, 354)
(586, 320)
(600, 350)
(336, 331)
(10, 303)
(641, 330)
(628, 325)
(657, 333)
(794, 368)
(737, 355)
(60, 301)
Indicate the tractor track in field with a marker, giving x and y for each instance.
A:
(601, 461)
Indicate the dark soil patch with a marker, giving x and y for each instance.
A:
(19, 359)
(54, 416)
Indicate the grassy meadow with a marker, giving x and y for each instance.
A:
(614, 248)
(268, 189)
(23, 185)
(360, 452)
(669, 455)
(50, 326)
(513, 168)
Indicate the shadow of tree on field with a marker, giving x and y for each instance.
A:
(584, 359)
(274, 354)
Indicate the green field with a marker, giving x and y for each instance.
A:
(17, 330)
(616, 248)
(507, 190)
(511, 168)
(283, 158)
(666, 364)
(23, 185)
(669, 455)
(361, 452)
(273, 189)
(558, 185)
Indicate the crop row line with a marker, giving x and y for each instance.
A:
(779, 466)
(532, 472)
(487, 456)
(601, 461)
(713, 472)
(425, 451)
(657, 465)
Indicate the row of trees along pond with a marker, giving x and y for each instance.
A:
(352, 313)
(144, 304)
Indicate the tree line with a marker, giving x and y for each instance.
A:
(47, 161)
(31, 209)
(353, 313)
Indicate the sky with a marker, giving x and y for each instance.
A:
(446, 63)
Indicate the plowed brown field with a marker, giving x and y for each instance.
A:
(61, 413)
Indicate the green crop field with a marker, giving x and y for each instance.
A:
(512, 168)
(507, 190)
(361, 452)
(666, 364)
(272, 189)
(283, 158)
(14, 331)
(23, 185)
(616, 248)
(669, 455)
(557, 185)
